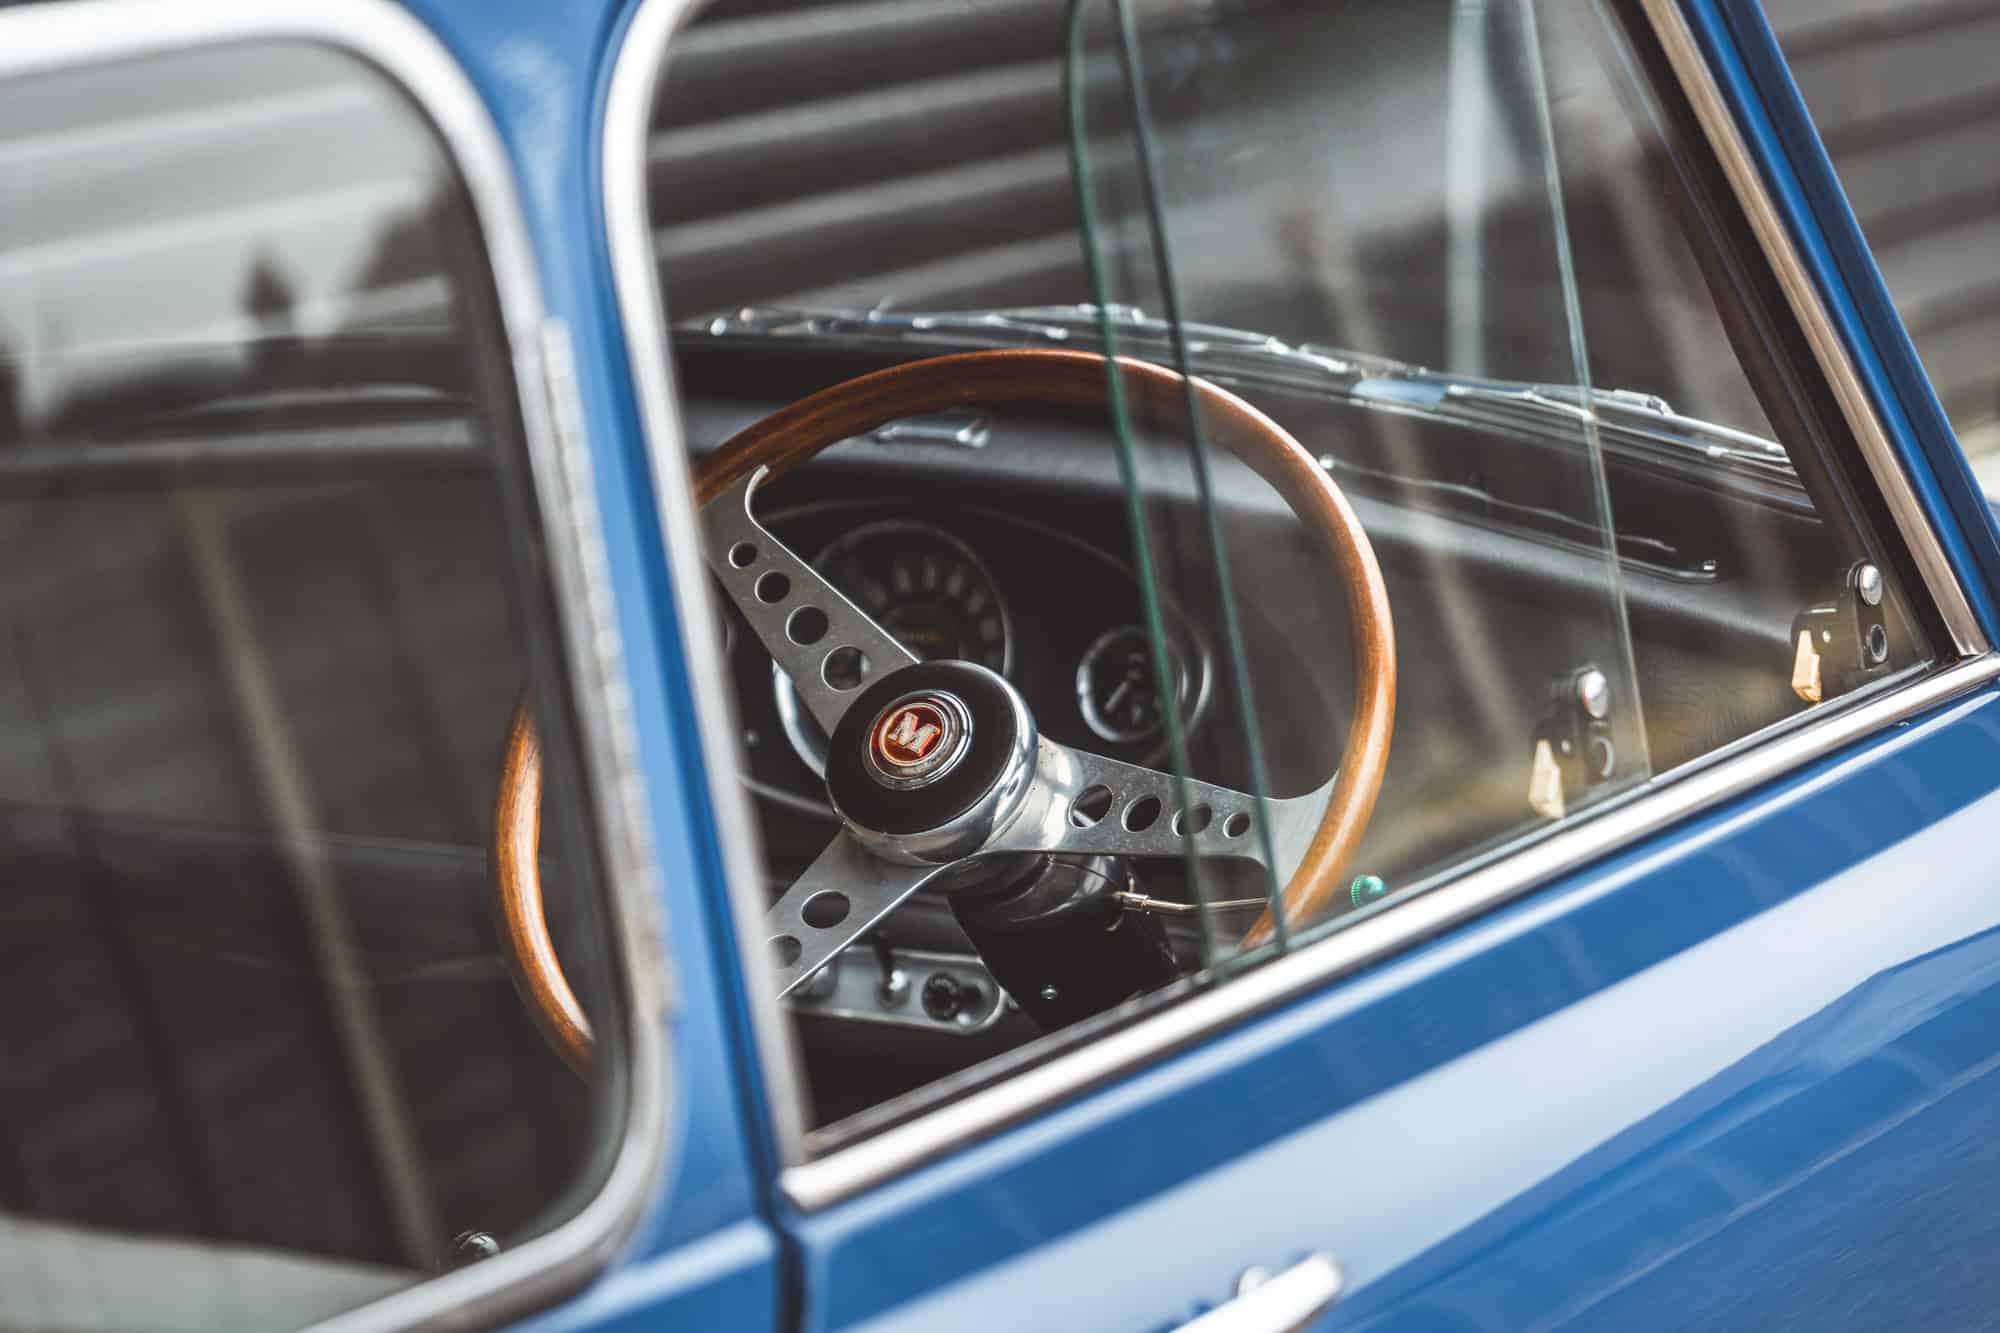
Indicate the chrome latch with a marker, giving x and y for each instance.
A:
(1842, 641)
(1574, 750)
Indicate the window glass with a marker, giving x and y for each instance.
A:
(1218, 198)
(1457, 287)
(261, 510)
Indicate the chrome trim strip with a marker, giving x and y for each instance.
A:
(845, 1173)
(1699, 84)
(46, 38)
(628, 117)
(818, 1184)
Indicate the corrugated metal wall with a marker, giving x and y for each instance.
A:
(918, 144)
(1907, 95)
(912, 151)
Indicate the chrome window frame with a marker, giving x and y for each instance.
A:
(50, 38)
(811, 1184)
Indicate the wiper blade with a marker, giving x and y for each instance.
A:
(1623, 412)
(1216, 346)
(1221, 351)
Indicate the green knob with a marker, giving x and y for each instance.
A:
(1366, 889)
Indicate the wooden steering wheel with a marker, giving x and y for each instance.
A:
(932, 763)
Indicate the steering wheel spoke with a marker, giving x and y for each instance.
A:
(844, 892)
(1082, 802)
(826, 644)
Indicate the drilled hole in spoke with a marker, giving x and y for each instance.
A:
(1193, 821)
(1091, 805)
(825, 910)
(807, 626)
(787, 949)
(773, 588)
(1142, 814)
(1236, 825)
(844, 668)
(742, 555)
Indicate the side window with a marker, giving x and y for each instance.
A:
(1463, 477)
(263, 623)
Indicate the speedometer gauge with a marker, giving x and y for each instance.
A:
(926, 588)
(922, 585)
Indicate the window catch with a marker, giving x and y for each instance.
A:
(1574, 751)
(1843, 640)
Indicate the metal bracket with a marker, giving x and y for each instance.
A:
(1842, 641)
(1574, 751)
(911, 988)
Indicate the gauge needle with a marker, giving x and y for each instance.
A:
(1124, 688)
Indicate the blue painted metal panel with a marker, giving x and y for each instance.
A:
(542, 70)
(722, 1281)
(1765, 101)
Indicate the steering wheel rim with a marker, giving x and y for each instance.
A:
(787, 438)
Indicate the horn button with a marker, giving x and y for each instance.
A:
(930, 761)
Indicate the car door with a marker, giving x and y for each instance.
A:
(1695, 1038)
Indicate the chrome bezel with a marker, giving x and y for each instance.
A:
(51, 38)
(985, 1109)
(971, 829)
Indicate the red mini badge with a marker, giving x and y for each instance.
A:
(909, 735)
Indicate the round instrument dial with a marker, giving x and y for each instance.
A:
(926, 588)
(1117, 690)
(922, 585)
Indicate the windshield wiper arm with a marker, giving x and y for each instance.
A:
(1624, 413)
(1220, 351)
(1216, 346)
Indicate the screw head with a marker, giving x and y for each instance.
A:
(1603, 757)
(1049, 992)
(469, 1247)
(1593, 691)
(943, 997)
(821, 984)
(1868, 582)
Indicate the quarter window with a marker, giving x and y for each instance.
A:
(261, 633)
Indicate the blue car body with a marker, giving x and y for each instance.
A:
(1739, 1071)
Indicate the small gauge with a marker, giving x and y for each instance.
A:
(922, 585)
(1118, 691)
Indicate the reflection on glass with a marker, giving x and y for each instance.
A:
(1267, 217)
(257, 654)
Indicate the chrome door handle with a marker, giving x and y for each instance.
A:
(1281, 1304)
